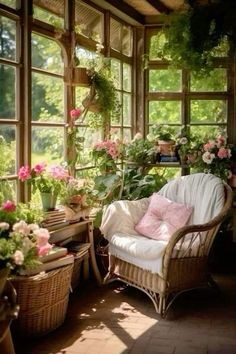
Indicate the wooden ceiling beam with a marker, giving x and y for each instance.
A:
(158, 5)
(127, 9)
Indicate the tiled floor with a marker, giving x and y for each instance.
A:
(118, 319)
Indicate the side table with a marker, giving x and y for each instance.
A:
(81, 231)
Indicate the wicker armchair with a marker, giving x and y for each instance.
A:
(184, 258)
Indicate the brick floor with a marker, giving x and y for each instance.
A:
(119, 319)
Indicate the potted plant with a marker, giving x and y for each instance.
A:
(139, 150)
(164, 136)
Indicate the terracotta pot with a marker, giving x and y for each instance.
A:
(166, 147)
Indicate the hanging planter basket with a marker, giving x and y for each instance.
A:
(76, 76)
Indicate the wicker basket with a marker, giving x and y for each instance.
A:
(43, 301)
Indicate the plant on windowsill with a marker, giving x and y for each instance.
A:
(164, 136)
(139, 150)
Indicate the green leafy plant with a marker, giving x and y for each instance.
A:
(161, 132)
(139, 150)
(198, 33)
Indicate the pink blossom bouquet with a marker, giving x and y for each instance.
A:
(51, 179)
(106, 153)
(22, 241)
(215, 158)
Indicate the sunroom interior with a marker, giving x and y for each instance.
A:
(90, 90)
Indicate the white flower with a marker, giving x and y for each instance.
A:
(99, 48)
(21, 227)
(33, 227)
(151, 137)
(183, 141)
(4, 225)
(208, 157)
(18, 257)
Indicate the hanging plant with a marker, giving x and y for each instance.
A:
(198, 33)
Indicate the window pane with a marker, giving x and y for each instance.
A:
(8, 191)
(7, 150)
(7, 92)
(164, 112)
(115, 35)
(116, 72)
(88, 21)
(47, 98)
(216, 80)
(91, 136)
(126, 109)
(10, 3)
(208, 111)
(116, 119)
(47, 145)
(127, 136)
(127, 77)
(46, 54)
(8, 38)
(208, 131)
(115, 133)
(127, 41)
(86, 57)
(167, 173)
(51, 12)
(165, 80)
(80, 94)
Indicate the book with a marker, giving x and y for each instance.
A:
(73, 246)
(57, 226)
(54, 264)
(54, 253)
(166, 158)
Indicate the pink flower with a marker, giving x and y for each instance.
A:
(8, 206)
(39, 168)
(43, 250)
(42, 236)
(223, 153)
(21, 227)
(24, 173)
(75, 113)
(210, 145)
(59, 173)
(220, 140)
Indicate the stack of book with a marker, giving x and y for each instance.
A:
(54, 219)
(56, 258)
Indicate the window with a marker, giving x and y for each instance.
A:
(51, 12)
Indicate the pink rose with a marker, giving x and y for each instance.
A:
(42, 236)
(8, 206)
(223, 153)
(18, 257)
(43, 250)
(24, 173)
(75, 113)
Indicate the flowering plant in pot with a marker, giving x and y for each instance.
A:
(139, 150)
(49, 182)
(215, 158)
(22, 242)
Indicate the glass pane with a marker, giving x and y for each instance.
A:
(116, 119)
(165, 172)
(10, 3)
(116, 72)
(88, 21)
(127, 41)
(7, 92)
(86, 57)
(7, 150)
(51, 12)
(127, 77)
(157, 42)
(127, 135)
(46, 54)
(126, 109)
(164, 112)
(165, 80)
(115, 133)
(80, 94)
(8, 191)
(208, 111)
(208, 131)
(216, 80)
(8, 38)
(115, 35)
(47, 98)
(47, 145)
(91, 136)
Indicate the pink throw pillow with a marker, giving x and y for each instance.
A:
(163, 218)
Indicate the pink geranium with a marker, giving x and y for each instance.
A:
(39, 168)
(8, 206)
(76, 113)
(58, 172)
(24, 173)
